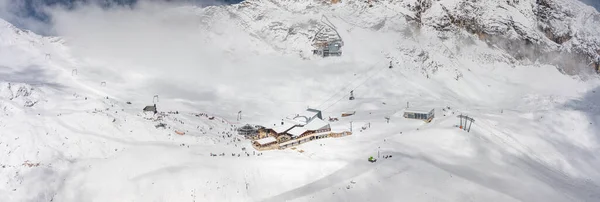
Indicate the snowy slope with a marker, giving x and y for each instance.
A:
(536, 30)
(71, 136)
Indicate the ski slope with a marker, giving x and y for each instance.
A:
(535, 137)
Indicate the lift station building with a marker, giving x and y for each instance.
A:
(425, 114)
(327, 41)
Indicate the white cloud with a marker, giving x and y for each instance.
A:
(152, 35)
(168, 49)
(14, 11)
(162, 48)
(32, 14)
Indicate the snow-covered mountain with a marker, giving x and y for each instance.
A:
(565, 33)
(72, 126)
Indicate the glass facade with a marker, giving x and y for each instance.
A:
(412, 115)
(334, 47)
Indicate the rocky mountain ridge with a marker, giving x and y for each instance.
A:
(562, 33)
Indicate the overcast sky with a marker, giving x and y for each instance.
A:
(34, 14)
(594, 3)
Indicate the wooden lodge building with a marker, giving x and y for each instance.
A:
(266, 143)
(302, 128)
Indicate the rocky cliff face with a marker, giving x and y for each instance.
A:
(565, 33)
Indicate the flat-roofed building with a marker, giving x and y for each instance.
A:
(425, 114)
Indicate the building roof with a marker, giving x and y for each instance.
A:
(315, 124)
(301, 120)
(305, 116)
(266, 140)
(310, 113)
(297, 131)
(247, 127)
(419, 110)
(283, 128)
(297, 122)
(247, 130)
(150, 108)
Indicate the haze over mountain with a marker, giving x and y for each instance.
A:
(72, 126)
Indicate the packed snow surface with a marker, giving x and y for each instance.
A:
(72, 126)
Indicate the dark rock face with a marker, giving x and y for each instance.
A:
(548, 13)
(548, 31)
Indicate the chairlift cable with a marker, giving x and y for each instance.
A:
(349, 84)
(365, 81)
